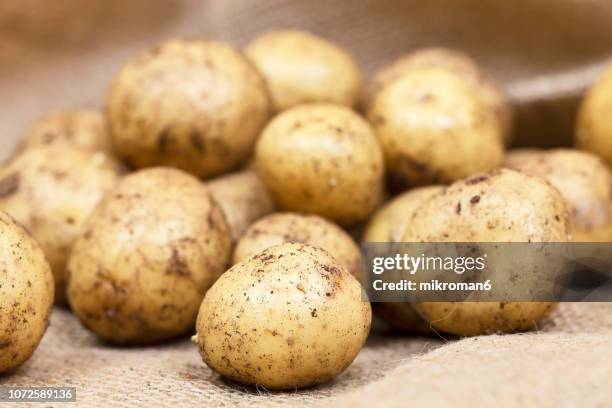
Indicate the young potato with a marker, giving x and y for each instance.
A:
(150, 251)
(195, 105)
(26, 294)
(83, 128)
(499, 206)
(486, 89)
(243, 198)
(593, 126)
(433, 128)
(584, 181)
(387, 225)
(308, 229)
(288, 317)
(322, 159)
(302, 68)
(51, 190)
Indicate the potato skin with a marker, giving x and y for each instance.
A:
(584, 181)
(322, 159)
(52, 190)
(243, 198)
(461, 64)
(593, 126)
(194, 105)
(82, 128)
(434, 129)
(387, 225)
(150, 251)
(288, 317)
(26, 294)
(302, 68)
(499, 206)
(312, 230)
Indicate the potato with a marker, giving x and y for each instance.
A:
(499, 206)
(584, 181)
(485, 88)
(26, 294)
(302, 68)
(150, 251)
(593, 126)
(433, 128)
(307, 229)
(83, 128)
(195, 105)
(51, 190)
(288, 317)
(387, 224)
(322, 159)
(243, 198)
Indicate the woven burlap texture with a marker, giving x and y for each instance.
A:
(567, 363)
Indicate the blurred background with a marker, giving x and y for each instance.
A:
(62, 53)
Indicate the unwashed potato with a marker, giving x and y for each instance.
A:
(51, 190)
(26, 294)
(487, 90)
(433, 128)
(584, 181)
(148, 255)
(302, 68)
(288, 317)
(387, 225)
(195, 105)
(593, 125)
(322, 159)
(243, 198)
(499, 206)
(83, 128)
(313, 230)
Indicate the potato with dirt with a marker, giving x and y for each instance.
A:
(148, 254)
(82, 128)
(322, 159)
(387, 225)
(503, 205)
(300, 67)
(457, 62)
(26, 294)
(243, 198)
(584, 181)
(288, 317)
(195, 105)
(307, 229)
(433, 128)
(52, 190)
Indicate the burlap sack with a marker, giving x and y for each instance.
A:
(567, 364)
(62, 53)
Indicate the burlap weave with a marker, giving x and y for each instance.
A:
(568, 363)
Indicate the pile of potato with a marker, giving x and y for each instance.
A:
(272, 160)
